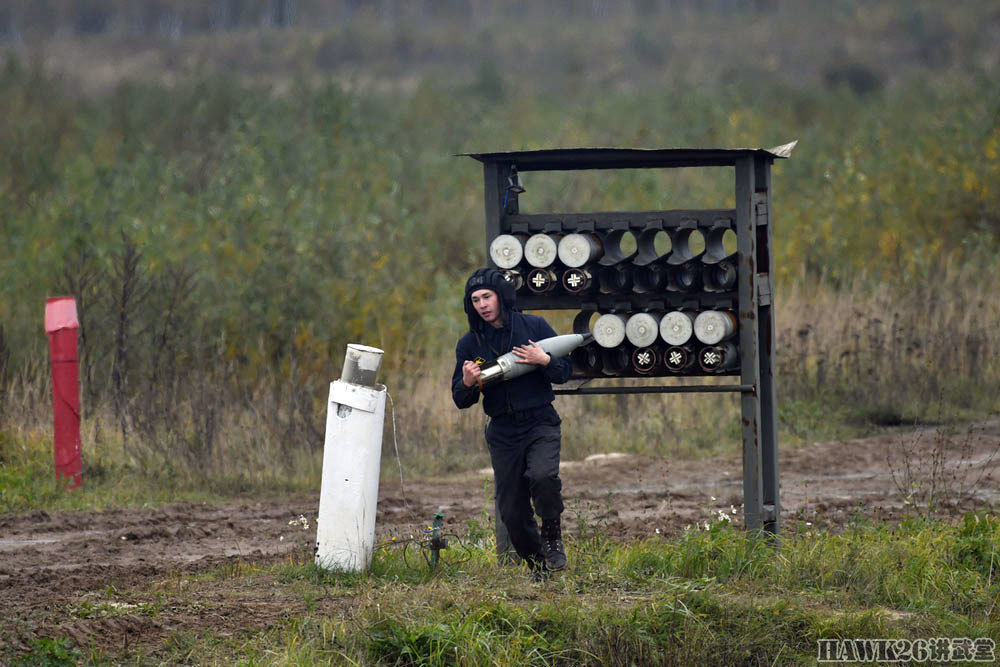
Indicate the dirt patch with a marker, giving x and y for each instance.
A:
(92, 576)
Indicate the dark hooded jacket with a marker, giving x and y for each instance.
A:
(485, 342)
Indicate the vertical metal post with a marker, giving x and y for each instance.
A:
(746, 230)
(765, 319)
(494, 205)
(61, 324)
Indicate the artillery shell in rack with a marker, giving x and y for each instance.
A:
(609, 330)
(718, 358)
(678, 359)
(541, 281)
(642, 329)
(677, 327)
(575, 250)
(577, 281)
(714, 326)
(645, 359)
(541, 250)
(507, 250)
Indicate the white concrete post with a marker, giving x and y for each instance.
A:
(352, 456)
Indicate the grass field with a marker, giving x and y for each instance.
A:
(713, 596)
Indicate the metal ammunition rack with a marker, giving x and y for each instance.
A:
(749, 300)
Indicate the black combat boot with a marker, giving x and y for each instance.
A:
(552, 546)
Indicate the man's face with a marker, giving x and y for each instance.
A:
(487, 304)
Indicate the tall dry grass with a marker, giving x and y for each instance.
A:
(849, 361)
(922, 351)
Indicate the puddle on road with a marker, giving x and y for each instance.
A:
(15, 543)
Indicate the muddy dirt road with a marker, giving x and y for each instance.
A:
(51, 564)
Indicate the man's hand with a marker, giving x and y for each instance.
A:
(470, 373)
(531, 354)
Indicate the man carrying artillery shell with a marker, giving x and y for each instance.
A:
(523, 433)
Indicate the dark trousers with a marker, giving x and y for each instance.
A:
(524, 449)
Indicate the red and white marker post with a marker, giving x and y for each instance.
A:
(61, 324)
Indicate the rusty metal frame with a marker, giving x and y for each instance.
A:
(755, 256)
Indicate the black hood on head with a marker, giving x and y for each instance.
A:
(488, 279)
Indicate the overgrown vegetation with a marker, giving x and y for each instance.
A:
(225, 239)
